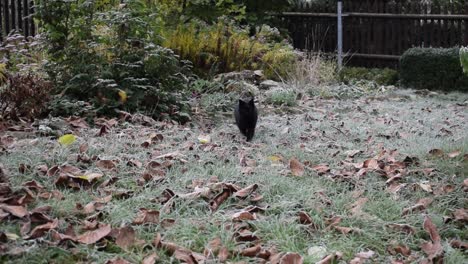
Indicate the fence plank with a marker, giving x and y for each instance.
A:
(20, 16)
(6, 12)
(377, 29)
(31, 21)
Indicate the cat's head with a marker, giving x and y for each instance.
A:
(247, 106)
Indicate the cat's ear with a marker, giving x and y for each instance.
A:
(241, 102)
(251, 102)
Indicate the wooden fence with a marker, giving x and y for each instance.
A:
(377, 32)
(16, 15)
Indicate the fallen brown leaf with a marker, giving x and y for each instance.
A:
(243, 193)
(291, 258)
(352, 153)
(422, 204)
(461, 215)
(251, 251)
(103, 130)
(399, 249)
(33, 185)
(39, 217)
(304, 218)
(393, 179)
(213, 247)
(243, 216)
(356, 207)
(135, 163)
(117, 260)
(220, 198)
(59, 237)
(168, 222)
(436, 152)
(333, 221)
(245, 235)
(445, 189)
(403, 227)
(125, 237)
(223, 254)
(362, 257)
(330, 259)
(433, 249)
(459, 244)
(151, 258)
(373, 164)
(92, 237)
(18, 211)
(84, 148)
(185, 256)
(426, 187)
(77, 122)
(454, 154)
(296, 167)
(105, 164)
(321, 169)
(146, 216)
(42, 169)
(40, 230)
(343, 230)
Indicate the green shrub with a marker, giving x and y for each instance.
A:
(464, 59)
(249, 13)
(218, 102)
(281, 97)
(380, 76)
(434, 69)
(24, 55)
(108, 55)
(201, 86)
(60, 106)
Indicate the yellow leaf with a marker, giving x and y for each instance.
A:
(67, 139)
(274, 158)
(204, 139)
(123, 96)
(12, 236)
(89, 177)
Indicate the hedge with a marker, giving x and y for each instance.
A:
(433, 69)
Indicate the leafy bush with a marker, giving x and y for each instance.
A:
(278, 61)
(24, 96)
(226, 47)
(380, 76)
(202, 86)
(464, 59)
(59, 106)
(106, 54)
(431, 68)
(20, 54)
(245, 12)
(218, 102)
(281, 96)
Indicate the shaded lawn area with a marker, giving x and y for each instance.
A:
(335, 178)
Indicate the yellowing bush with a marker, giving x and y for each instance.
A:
(225, 47)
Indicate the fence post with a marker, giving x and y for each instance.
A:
(340, 35)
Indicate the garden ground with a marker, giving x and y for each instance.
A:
(379, 178)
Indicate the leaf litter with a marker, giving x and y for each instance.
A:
(157, 158)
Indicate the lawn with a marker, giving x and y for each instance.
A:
(377, 179)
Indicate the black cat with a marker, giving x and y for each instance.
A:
(246, 115)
